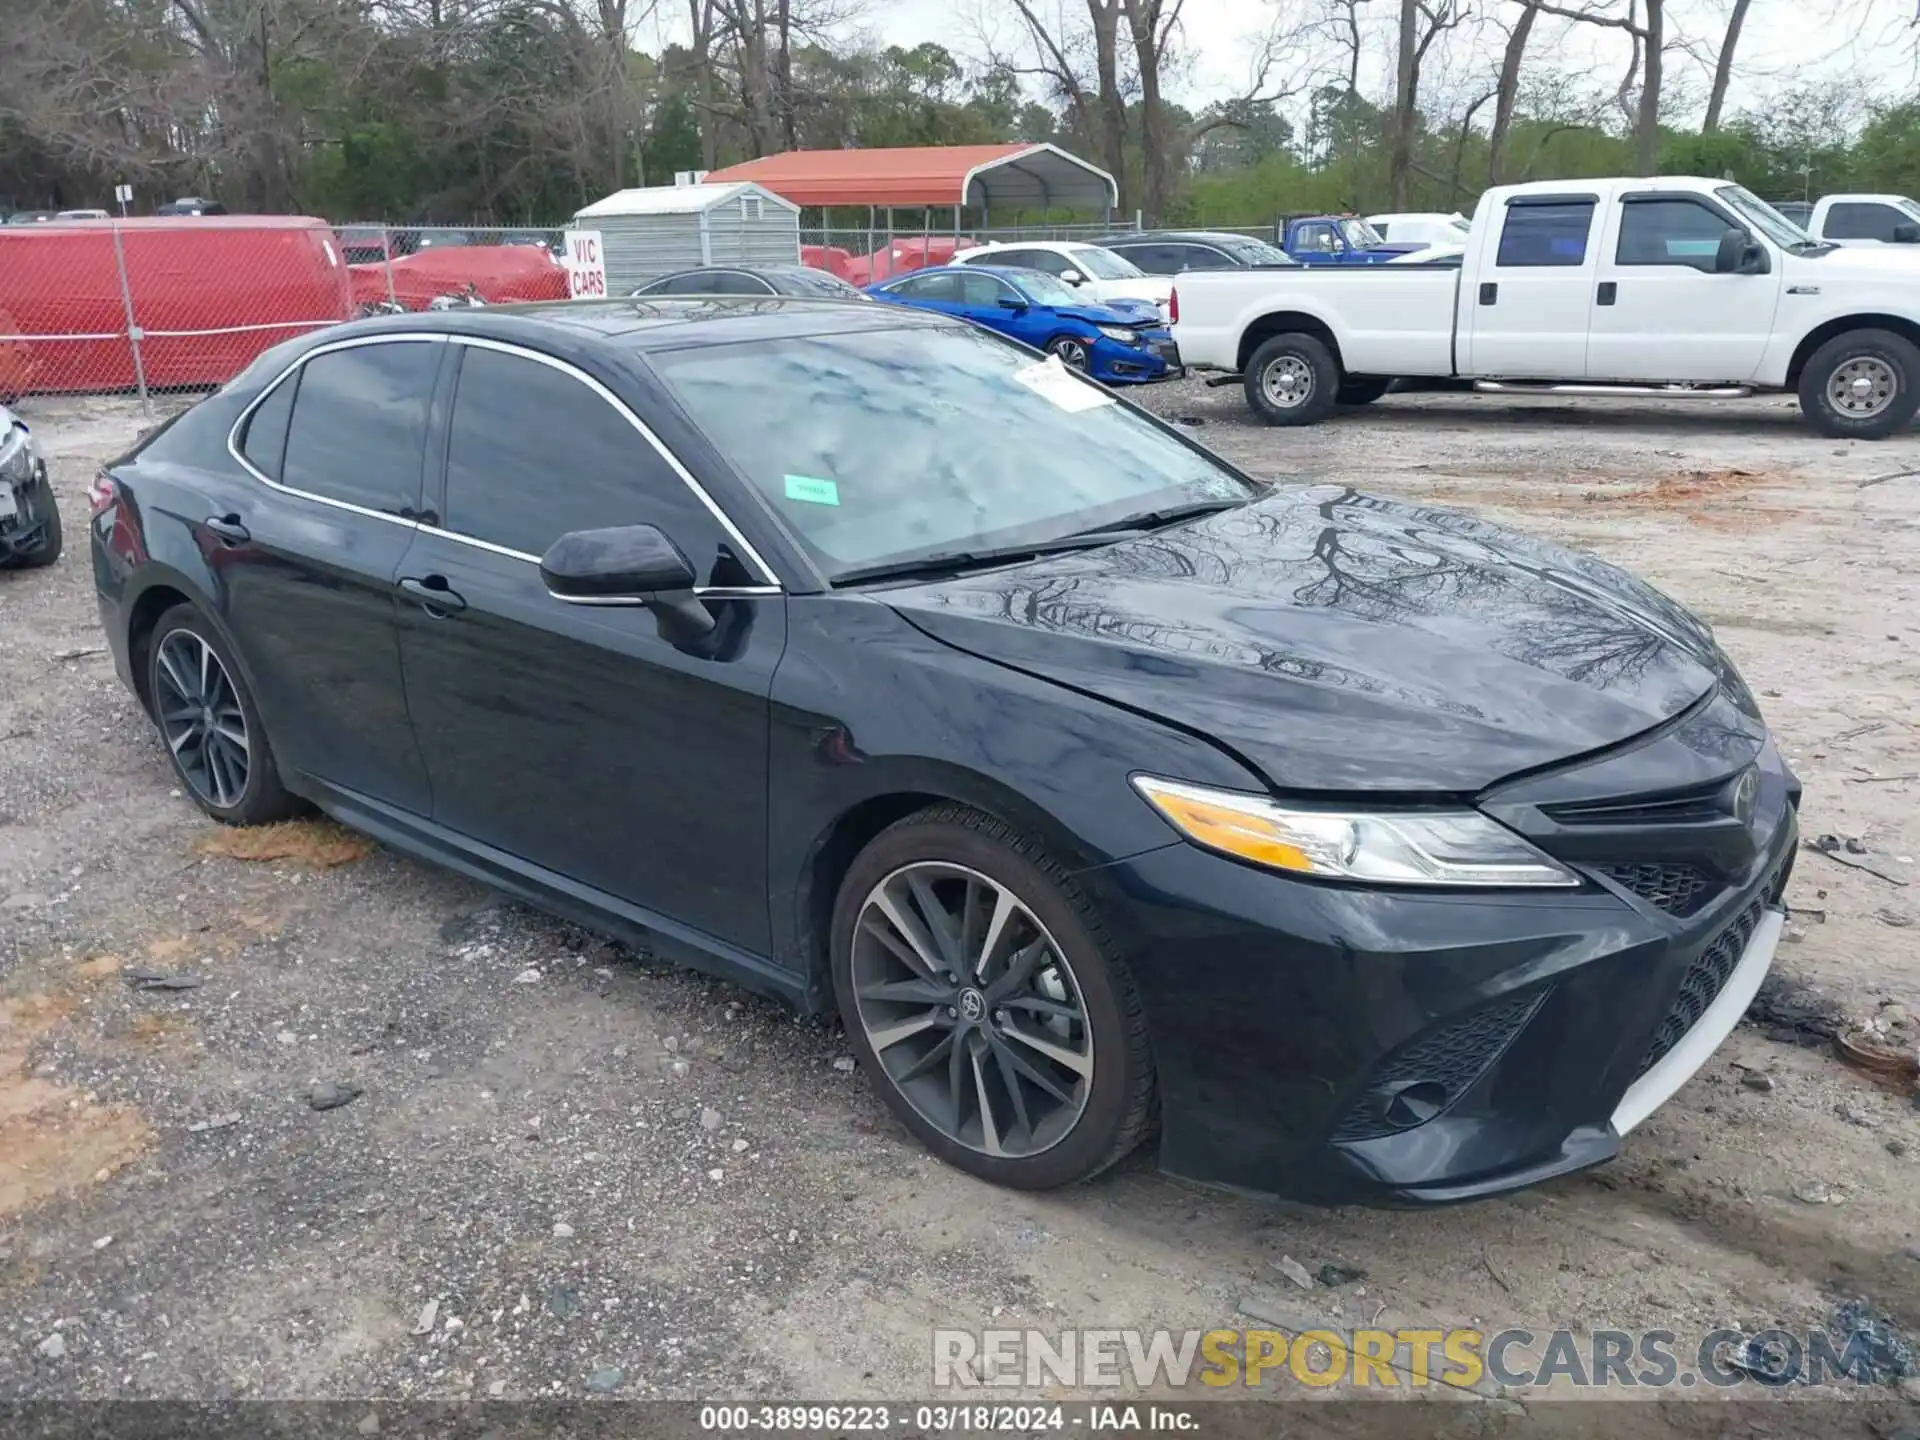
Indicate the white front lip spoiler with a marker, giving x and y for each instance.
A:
(1696, 1047)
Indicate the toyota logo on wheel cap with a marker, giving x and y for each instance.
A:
(973, 1006)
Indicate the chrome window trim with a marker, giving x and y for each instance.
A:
(771, 585)
(238, 426)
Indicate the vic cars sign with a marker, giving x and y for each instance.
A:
(586, 265)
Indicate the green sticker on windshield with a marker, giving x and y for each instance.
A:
(814, 492)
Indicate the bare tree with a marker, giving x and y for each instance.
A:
(1723, 67)
(1648, 35)
(1507, 90)
(1421, 23)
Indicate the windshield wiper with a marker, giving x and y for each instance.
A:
(953, 562)
(1158, 519)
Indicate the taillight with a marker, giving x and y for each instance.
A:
(102, 493)
(1173, 308)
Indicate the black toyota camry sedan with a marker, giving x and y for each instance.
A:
(1341, 847)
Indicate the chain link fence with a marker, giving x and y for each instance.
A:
(147, 306)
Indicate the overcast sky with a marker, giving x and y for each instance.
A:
(1867, 40)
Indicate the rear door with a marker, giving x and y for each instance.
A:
(307, 559)
(572, 737)
(1660, 311)
(1527, 303)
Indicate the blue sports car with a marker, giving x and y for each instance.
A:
(1118, 342)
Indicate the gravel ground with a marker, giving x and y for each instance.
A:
(571, 1170)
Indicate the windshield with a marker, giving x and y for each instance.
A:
(1045, 289)
(870, 446)
(1764, 218)
(1359, 234)
(1103, 264)
(1253, 252)
(1907, 207)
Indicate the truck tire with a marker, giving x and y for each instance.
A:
(1362, 390)
(1861, 385)
(1292, 379)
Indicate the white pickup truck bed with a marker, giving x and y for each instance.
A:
(1669, 286)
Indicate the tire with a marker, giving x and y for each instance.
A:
(1300, 357)
(1876, 376)
(174, 667)
(40, 506)
(1073, 352)
(1361, 391)
(1089, 1124)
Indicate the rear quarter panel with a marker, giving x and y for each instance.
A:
(1387, 320)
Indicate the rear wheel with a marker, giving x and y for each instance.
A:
(1861, 385)
(210, 725)
(1292, 379)
(1362, 391)
(986, 1002)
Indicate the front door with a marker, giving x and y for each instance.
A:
(573, 737)
(1523, 313)
(306, 550)
(1660, 312)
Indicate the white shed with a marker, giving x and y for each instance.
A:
(662, 228)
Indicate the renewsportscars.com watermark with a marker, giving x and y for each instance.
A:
(1148, 1360)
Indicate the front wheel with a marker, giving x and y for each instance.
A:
(38, 507)
(1861, 385)
(985, 1000)
(1293, 379)
(1072, 352)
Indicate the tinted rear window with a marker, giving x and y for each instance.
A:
(1546, 235)
(360, 424)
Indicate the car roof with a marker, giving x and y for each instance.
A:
(665, 322)
(1203, 237)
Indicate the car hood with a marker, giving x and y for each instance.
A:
(1872, 261)
(1127, 312)
(1153, 289)
(1336, 641)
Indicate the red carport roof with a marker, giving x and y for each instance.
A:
(997, 177)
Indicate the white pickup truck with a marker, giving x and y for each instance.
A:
(1672, 287)
(1860, 219)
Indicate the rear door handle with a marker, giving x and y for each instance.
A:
(433, 594)
(229, 529)
(1489, 293)
(1608, 290)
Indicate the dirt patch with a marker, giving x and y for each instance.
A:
(1713, 499)
(316, 844)
(52, 1138)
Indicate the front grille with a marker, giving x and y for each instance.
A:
(1706, 977)
(1676, 889)
(1452, 1057)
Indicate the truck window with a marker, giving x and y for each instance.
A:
(1316, 236)
(1855, 220)
(1677, 231)
(1546, 234)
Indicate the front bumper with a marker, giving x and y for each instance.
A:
(22, 536)
(1341, 1044)
(1115, 364)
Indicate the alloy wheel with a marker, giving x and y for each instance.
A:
(1288, 381)
(972, 1009)
(201, 718)
(1862, 386)
(1072, 354)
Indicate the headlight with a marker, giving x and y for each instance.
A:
(1384, 847)
(16, 454)
(1120, 333)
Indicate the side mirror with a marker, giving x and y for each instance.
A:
(1731, 251)
(1072, 277)
(1906, 234)
(628, 565)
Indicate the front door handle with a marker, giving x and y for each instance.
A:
(1489, 293)
(1608, 291)
(433, 594)
(228, 529)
